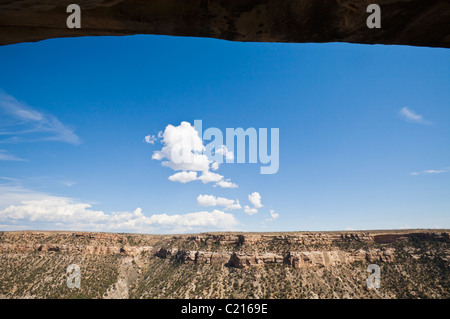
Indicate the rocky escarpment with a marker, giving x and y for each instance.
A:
(297, 250)
(291, 239)
(414, 264)
(405, 22)
(238, 250)
(72, 243)
(304, 259)
(312, 239)
(88, 249)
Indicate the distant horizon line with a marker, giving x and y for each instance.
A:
(236, 232)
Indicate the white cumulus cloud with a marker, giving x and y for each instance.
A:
(273, 215)
(55, 213)
(249, 210)
(211, 200)
(183, 177)
(224, 151)
(208, 177)
(226, 184)
(255, 199)
(183, 150)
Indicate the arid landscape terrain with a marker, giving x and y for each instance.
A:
(413, 264)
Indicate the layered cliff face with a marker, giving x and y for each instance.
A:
(304, 259)
(71, 243)
(88, 249)
(302, 238)
(272, 265)
(406, 22)
(235, 250)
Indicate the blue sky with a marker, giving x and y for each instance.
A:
(364, 134)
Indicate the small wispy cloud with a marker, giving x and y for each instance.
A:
(36, 182)
(249, 210)
(255, 199)
(273, 215)
(150, 139)
(430, 172)
(21, 123)
(6, 156)
(410, 116)
(68, 183)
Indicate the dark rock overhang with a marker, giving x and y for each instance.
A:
(403, 22)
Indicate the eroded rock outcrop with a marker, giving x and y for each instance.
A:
(317, 258)
(385, 255)
(242, 260)
(186, 256)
